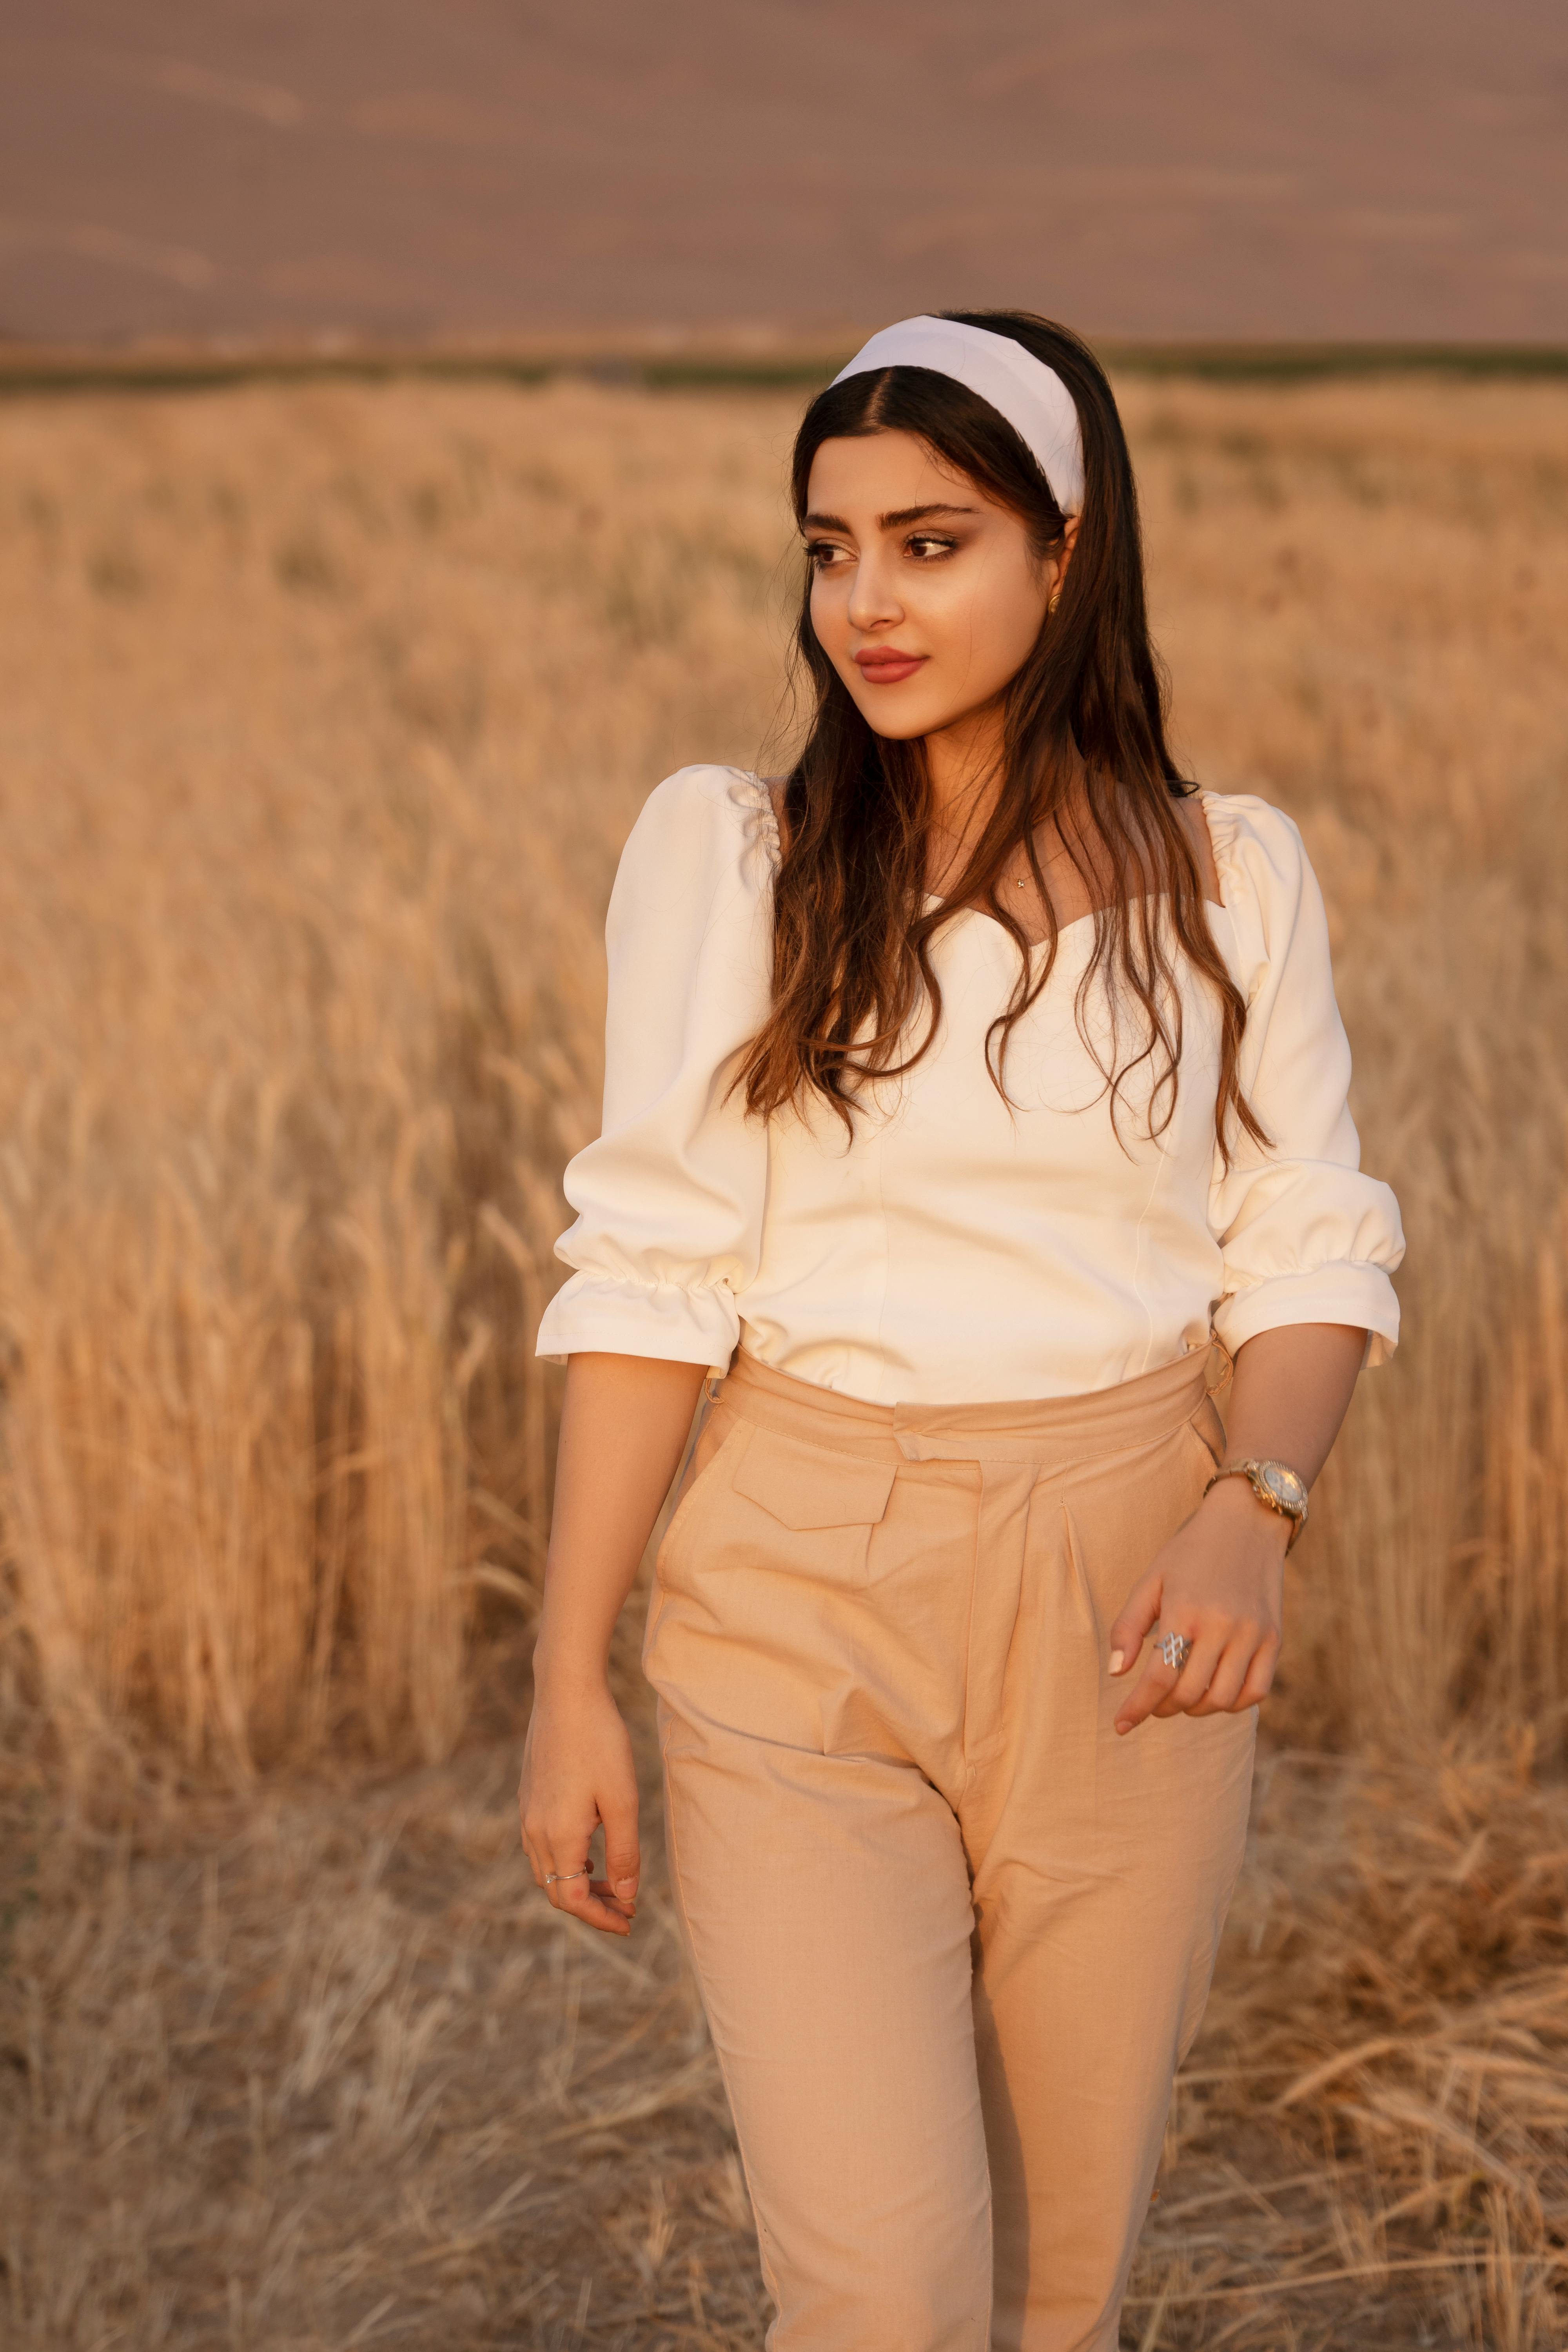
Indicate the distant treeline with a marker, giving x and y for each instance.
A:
(26, 369)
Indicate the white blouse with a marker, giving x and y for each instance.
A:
(957, 1250)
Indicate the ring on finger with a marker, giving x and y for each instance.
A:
(1175, 1650)
(554, 1876)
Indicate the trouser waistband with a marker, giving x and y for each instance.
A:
(1050, 1432)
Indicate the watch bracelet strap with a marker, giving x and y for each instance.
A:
(1244, 1470)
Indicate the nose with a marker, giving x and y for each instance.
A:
(873, 600)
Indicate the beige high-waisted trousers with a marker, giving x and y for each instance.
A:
(953, 1933)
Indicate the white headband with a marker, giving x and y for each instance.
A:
(1032, 396)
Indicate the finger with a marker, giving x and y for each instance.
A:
(556, 1841)
(1196, 1672)
(1131, 1630)
(1259, 1674)
(623, 1861)
(1226, 1681)
(624, 1906)
(565, 1887)
(541, 1851)
(1155, 1686)
(583, 1899)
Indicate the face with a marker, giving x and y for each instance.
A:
(926, 596)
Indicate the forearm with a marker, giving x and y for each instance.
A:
(1291, 1390)
(624, 1427)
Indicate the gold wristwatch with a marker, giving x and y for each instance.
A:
(1274, 1483)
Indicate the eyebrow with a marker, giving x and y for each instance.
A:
(893, 520)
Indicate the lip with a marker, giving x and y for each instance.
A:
(884, 666)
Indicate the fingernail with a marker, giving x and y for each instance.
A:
(1118, 1660)
(626, 1887)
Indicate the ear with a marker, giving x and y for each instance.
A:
(1069, 540)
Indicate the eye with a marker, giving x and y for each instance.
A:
(821, 553)
(930, 546)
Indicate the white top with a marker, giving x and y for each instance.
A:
(956, 1251)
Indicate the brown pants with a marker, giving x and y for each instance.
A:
(953, 1935)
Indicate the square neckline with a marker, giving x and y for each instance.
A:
(763, 787)
(1212, 906)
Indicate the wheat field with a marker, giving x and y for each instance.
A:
(323, 712)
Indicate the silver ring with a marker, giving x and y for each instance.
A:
(1175, 1649)
(554, 1877)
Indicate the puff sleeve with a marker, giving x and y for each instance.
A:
(670, 1199)
(1305, 1236)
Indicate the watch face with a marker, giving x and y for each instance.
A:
(1284, 1486)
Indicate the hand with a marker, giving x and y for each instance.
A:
(577, 1772)
(1219, 1582)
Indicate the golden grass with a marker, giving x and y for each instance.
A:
(321, 720)
(322, 713)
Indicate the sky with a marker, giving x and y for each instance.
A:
(410, 170)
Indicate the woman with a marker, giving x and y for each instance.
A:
(974, 1095)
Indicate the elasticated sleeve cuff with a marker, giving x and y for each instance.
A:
(590, 1315)
(1354, 1293)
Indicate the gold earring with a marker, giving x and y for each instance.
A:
(1054, 599)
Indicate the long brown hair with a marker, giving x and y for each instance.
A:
(1084, 717)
